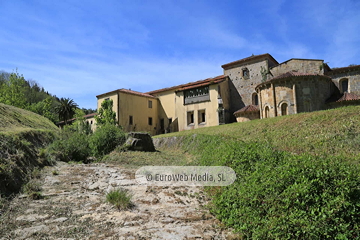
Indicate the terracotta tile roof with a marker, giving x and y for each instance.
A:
(254, 57)
(190, 85)
(127, 91)
(248, 108)
(90, 115)
(348, 97)
(291, 74)
(343, 69)
(135, 93)
(73, 119)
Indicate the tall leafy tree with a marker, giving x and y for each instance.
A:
(105, 114)
(66, 109)
(13, 91)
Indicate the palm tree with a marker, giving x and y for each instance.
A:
(66, 109)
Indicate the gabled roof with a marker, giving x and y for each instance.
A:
(191, 85)
(127, 91)
(248, 108)
(251, 58)
(348, 97)
(343, 69)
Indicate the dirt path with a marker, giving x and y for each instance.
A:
(74, 207)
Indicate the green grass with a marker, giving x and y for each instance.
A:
(13, 119)
(120, 198)
(334, 132)
(22, 135)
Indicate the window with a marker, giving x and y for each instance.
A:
(162, 124)
(130, 120)
(255, 99)
(267, 112)
(284, 109)
(190, 117)
(201, 116)
(107, 99)
(344, 85)
(170, 121)
(91, 122)
(150, 104)
(245, 73)
(195, 95)
(150, 121)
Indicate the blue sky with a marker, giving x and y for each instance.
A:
(79, 49)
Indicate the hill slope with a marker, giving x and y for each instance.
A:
(13, 119)
(22, 135)
(335, 132)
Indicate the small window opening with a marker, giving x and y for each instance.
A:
(201, 116)
(284, 109)
(190, 117)
(246, 73)
(344, 85)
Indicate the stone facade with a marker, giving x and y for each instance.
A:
(294, 86)
(244, 75)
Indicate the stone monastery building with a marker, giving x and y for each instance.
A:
(251, 88)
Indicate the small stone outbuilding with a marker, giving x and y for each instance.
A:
(247, 113)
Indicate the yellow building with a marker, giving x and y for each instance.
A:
(187, 106)
(135, 111)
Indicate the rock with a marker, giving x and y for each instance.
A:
(89, 160)
(139, 142)
(27, 232)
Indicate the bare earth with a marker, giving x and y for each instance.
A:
(74, 207)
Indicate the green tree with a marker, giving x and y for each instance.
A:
(45, 108)
(66, 109)
(13, 91)
(80, 125)
(105, 114)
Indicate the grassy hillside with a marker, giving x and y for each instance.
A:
(312, 194)
(334, 132)
(22, 135)
(13, 119)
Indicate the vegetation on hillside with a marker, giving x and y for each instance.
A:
(298, 176)
(78, 143)
(15, 120)
(22, 136)
(280, 195)
(29, 95)
(330, 132)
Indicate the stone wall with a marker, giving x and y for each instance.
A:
(300, 65)
(354, 81)
(300, 94)
(242, 88)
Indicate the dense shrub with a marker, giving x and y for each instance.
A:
(105, 139)
(71, 147)
(278, 195)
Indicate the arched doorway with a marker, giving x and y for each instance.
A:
(284, 109)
